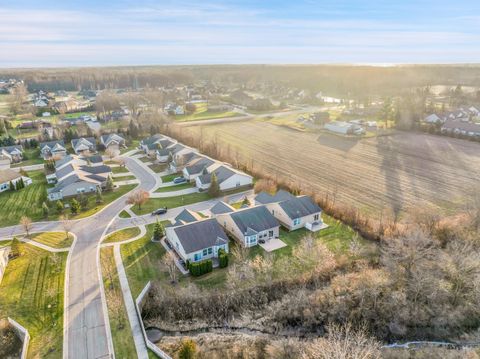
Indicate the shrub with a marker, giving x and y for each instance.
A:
(74, 206)
(15, 248)
(222, 258)
(157, 231)
(188, 350)
(199, 268)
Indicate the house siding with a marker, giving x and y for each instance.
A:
(237, 180)
(286, 221)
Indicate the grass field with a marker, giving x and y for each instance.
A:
(158, 167)
(122, 235)
(170, 177)
(171, 202)
(53, 239)
(123, 343)
(397, 173)
(25, 202)
(124, 178)
(120, 170)
(175, 187)
(31, 292)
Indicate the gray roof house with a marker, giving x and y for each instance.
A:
(84, 145)
(227, 178)
(197, 240)
(185, 216)
(293, 212)
(196, 167)
(11, 153)
(221, 208)
(112, 141)
(249, 225)
(53, 149)
(461, 127)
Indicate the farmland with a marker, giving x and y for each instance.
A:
(395, 173)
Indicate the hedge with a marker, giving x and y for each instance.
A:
(199, 268)
(222, 258)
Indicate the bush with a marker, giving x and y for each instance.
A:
(188, 350)
(200, 268)
(222, 258)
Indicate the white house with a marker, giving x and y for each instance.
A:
(13, 154)
(227, 178)
(197, 240)
(249, 225)
(197, 167)
(8, 175)
(344, 128)
(112, 142)
(53, 149)
(4, 253)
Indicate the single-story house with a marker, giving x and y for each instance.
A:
(344, 128)
(197, 240)
(112, 141)
(150, 144)
(196, 167)
(433, 118)
(227, 178)
(220, 208)
(12, 153)
(181, 155)
(53, 149)
(184, 217)
(249, 225)
(4, 253)
(84, 145)
(461, 127)
(8, 175)
(266, 198)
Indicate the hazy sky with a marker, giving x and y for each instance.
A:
(124, 32)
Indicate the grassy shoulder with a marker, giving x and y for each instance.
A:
(31, 292)
(53, 239)
(175, 187)
(124, 214)
(122, 235)
(123, 343)
(124, 178)
(170, 202)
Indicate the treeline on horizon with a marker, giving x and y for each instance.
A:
(345, 81)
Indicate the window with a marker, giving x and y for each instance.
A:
(270, 233)
(204, 252)
(296, 221)
(210, 250)
(238, 184)
(197, 257)
(316, 217)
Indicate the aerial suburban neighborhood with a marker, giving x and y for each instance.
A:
(239, 180)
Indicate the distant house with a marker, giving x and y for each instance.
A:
(433, 118)
(112, 141)
(74, 175)
(344, 128)
(197, 240)
(13, 154)
(41, 103)
(221, 208)
(295, 212)
(151, 144)
(173, 109)
(53, 149)
(249, 225)
(8, 176)
(459, 127)
(4, 253)
(227, 178)
(84, 145)
(181, 155)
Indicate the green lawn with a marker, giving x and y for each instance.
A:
(123, 343)
(142, 261)
(31, 157)
(25, 202)
(131, 146)
(31, 292)
(124, 214)
(170, 177)
(175, 187)
(171, 202)
(146, 159)
(120, 169)
(158, 167)
(122, 235)
(53, 239)
(124, 178)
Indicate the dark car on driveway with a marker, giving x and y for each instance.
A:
(179, 180)
(159, 211)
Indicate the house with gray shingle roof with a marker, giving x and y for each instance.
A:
(53, 149)
(221, 208)
(249, 225)
(196, 167)
(112, 141)
(227, 178)
(197, 240)
(84, 145)
(184, 217)
(12, 154)
(293, 212)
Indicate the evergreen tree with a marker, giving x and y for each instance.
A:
(12, 186)
(74, 206)
(15, 248)
(83, 201)
(60, 207)
(158, 231)
(45, 209)
(214, 189)
(109, 184)
(98, 195)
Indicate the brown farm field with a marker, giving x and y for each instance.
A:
(394, 173)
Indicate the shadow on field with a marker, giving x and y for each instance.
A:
(344, 144)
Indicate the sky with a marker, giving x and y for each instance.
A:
(125, 32)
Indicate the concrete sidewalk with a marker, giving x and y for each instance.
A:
(174, 193)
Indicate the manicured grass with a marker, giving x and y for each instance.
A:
(131, 146)
(120, 169)
(158, 167)
(31, 292)
(123, 343)
(142, 261)
(171, 202)
(175, 187)
(25, 202)
(4, 243)
(53, 239)
(124, 178)
(170, 177)
(146, 159)
(122, 235)
(124, 214)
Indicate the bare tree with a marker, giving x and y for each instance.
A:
(66, 225)
(17, 98)
(111, 153)
(138, 197)
(26, 224)
(169, 261)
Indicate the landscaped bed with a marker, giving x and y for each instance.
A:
(122, 235)
(31, 292)
(124, 214)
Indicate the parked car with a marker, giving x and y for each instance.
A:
(159, 211)
(179, 180)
